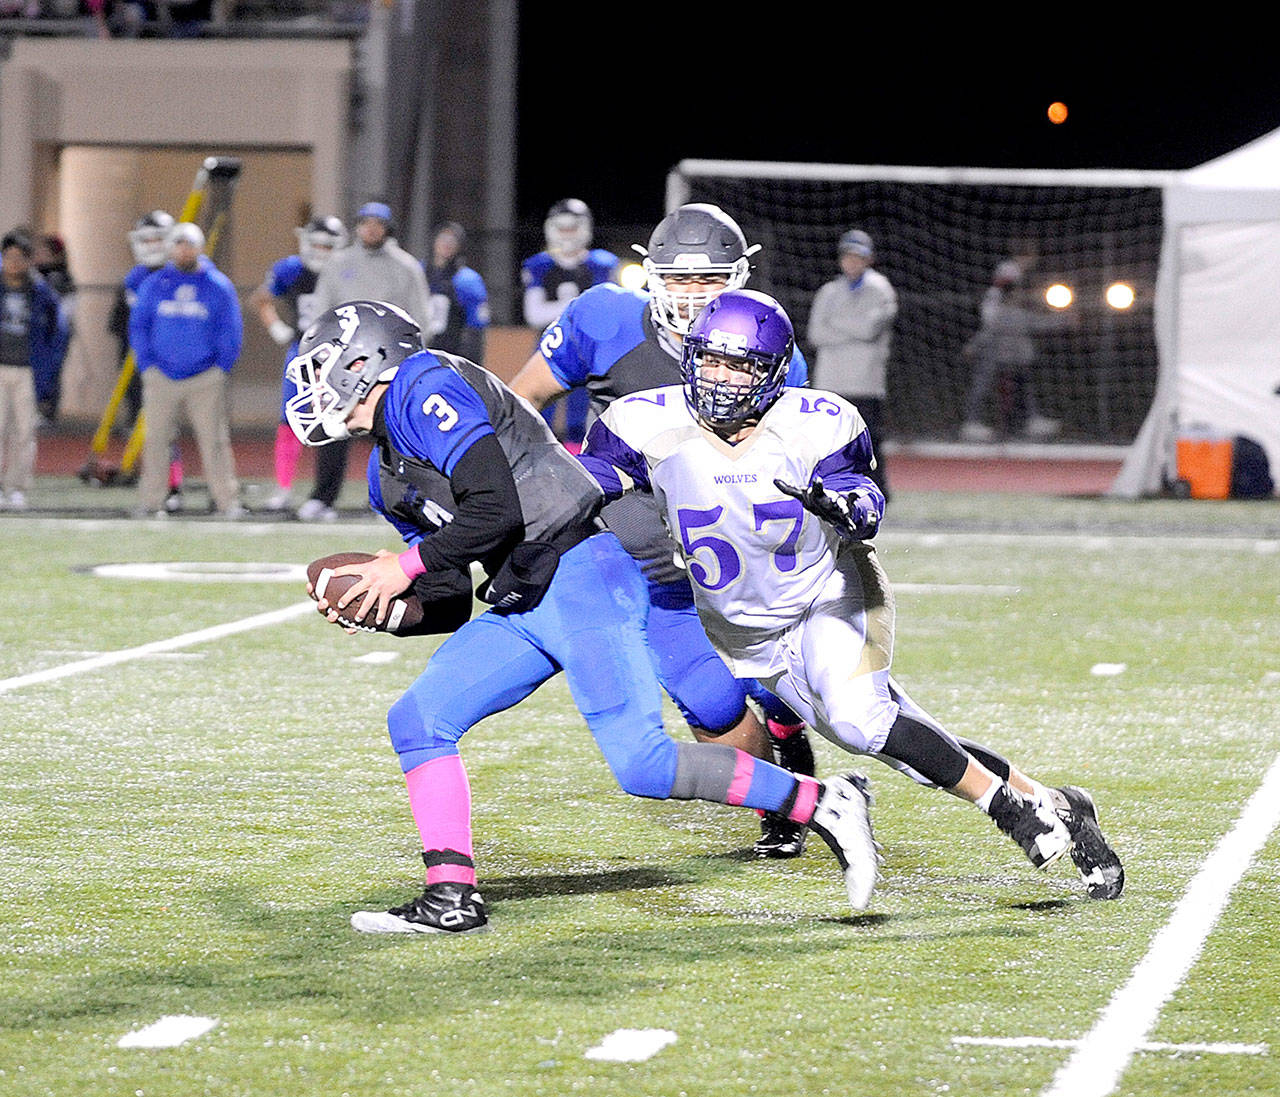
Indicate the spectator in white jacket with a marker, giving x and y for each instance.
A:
(850, 327)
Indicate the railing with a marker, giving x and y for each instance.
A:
(169, 19)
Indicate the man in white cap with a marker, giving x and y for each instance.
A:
(372, 268)
(186, 330)
(850, 325)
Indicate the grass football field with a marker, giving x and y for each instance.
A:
(198, 791)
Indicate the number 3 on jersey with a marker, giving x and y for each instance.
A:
(437, 405)
(697, 535)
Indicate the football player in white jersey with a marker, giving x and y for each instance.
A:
(767, 490)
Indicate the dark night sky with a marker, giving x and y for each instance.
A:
(608, 130)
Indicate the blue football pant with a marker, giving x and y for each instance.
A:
(590, 624)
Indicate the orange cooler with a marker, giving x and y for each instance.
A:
(1205, 464)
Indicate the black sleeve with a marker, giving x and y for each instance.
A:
(443, 615)
(488, 523)
(118, 319)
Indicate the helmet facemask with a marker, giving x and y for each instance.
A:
(676, 308)
(319, 240)
(148, 239)
(327, 391)
(727, 405)
(341, 357)
(749, 334)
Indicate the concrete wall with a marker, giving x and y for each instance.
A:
(95, 133)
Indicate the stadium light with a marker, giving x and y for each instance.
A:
(1059, 296)
(632, 276)
(1120, 295)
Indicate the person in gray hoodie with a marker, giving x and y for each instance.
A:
(850, 325)
(372, 268)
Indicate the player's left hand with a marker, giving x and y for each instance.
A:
(382, 577)
(853, 516)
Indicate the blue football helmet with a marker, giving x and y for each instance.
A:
(754, 335)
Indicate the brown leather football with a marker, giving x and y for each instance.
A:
(404, 613)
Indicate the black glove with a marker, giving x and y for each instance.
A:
(523, 578)
(852, 516)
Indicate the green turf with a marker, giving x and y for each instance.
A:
(188, 833)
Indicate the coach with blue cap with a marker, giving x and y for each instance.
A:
(373, 268)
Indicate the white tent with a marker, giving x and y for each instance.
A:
(1217, 313)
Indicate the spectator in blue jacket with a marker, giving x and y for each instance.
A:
(459, 302)
(186, 330)
(33, 343)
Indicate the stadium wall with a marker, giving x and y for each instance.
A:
(95, 133)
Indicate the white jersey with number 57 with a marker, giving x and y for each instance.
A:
(757, 558)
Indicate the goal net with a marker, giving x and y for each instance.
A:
(940, 234)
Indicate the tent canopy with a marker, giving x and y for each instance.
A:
(1217, 313)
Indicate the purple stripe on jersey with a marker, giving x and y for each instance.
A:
(607, 457)
(848, 469)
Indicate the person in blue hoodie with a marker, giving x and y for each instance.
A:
(186, 330)
(33, 343)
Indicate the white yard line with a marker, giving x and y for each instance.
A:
(156, 647)
(1102, 1056)
(170, 1031)
(631, 1045)
(1044, 1041)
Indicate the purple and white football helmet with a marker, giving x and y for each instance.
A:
(755, 333)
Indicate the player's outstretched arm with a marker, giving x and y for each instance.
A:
(853, 515)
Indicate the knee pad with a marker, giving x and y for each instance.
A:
(414, 731)
(862, 711)
(642, 764)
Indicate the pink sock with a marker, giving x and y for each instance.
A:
(783, 731)
(440, 798)
(175, 474)
(806, 799)
(288, 451)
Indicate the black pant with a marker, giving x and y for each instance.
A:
(331, 470)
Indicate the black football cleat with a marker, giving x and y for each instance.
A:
(1098, 864)
(842, 819)
(780, 838)
(441, 908)
(1041, 834)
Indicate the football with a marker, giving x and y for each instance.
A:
(404, 614)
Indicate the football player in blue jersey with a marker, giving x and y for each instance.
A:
(468, 474)
(566, 269)
(770, 490)
(290, 285)
(459, 304)
(610, 342)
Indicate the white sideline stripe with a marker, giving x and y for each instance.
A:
(631, 1045)
(168, 1032)
(156, 647)
(954, 588)
(1043, 1041)
(1104, 1053)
